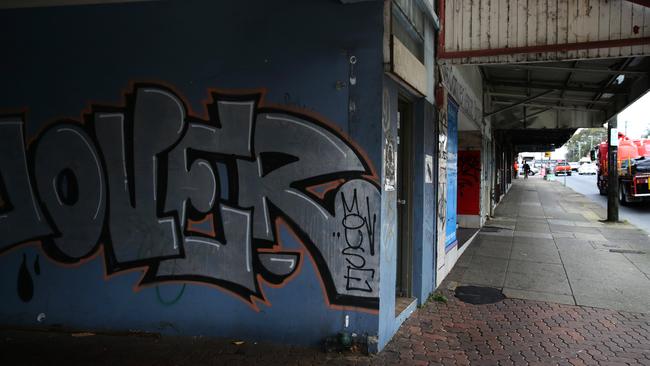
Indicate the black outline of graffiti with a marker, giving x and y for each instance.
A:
(355, 224)
(258, 246)
(469, 168)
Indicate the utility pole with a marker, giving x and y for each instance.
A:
(612, 171)
(579, 150)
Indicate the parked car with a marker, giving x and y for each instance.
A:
(563, 168)
(574, 165)
(590, 169)
(585, 160)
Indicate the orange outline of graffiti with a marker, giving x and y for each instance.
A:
(99, 250)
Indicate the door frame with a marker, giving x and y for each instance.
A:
(405, 169)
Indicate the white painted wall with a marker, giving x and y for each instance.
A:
(465, 85)
(492, 24)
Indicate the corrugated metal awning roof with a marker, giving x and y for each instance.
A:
(569, 94)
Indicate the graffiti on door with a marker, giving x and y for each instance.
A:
(452, 174)
(195, 199)
(469, 182)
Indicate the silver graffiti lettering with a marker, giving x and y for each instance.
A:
(197, 200)
(70, 184)
(21, 218)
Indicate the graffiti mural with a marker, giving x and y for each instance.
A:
(442, 188)
(390, 153)
(463, 94)
(195, 199)
(452, 173)
(469, 182)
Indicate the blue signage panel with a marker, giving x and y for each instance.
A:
(452, 173)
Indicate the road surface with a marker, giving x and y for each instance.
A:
(637, 214)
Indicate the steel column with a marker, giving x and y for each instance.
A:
(612, 173)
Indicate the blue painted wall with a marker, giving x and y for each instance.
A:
(423, 206)
(59, 61)
(388, 265)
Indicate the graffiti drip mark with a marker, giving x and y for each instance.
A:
(37, 266)
(170, 302)
(25, 282)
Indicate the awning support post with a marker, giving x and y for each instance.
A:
(612, 171)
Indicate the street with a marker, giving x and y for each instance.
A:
(637, 214)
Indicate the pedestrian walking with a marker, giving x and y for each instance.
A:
(516, 168)
(526, 170)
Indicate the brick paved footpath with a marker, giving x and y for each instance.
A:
(511, 332)
(521, 332)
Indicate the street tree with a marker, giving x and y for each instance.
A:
(584, 140)
(646, 134)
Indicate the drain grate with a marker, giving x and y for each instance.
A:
(627, 251)
(478, 295)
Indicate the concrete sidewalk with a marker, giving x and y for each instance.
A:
(546, 242)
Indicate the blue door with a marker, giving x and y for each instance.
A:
(452, 173)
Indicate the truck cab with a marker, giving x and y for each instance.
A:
(633, 164)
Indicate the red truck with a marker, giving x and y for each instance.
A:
(633, 169)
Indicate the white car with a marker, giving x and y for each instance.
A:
(588, 169)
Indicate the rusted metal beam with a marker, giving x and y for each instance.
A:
(554, 106)
(568, 69)
(522, 102)
(542, 85)
(442, 54)
(567, 100)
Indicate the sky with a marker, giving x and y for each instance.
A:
(637, 116)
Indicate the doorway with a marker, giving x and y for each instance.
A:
(403, 286)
